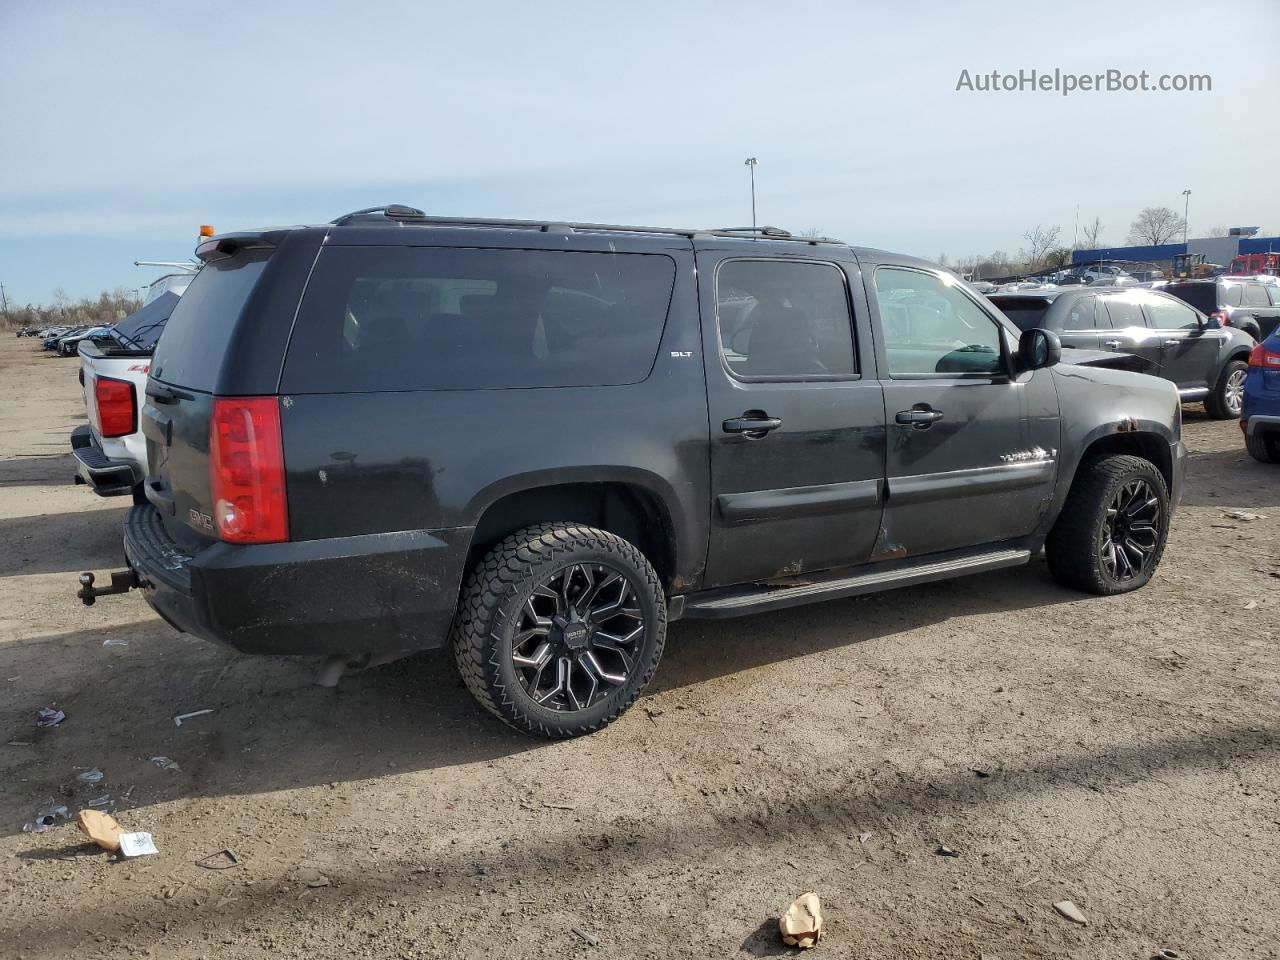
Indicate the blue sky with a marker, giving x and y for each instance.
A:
(125, 126)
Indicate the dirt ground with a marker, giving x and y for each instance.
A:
(1120, 753)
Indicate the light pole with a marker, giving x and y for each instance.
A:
(751, 165)
(1186, 206)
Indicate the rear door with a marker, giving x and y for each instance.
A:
(796, 414)
(972, 455)
(1130, 332)
(1271, 323)
(1258, 306)
(1080, 323)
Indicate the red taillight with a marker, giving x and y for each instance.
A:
(1263, 358)
(117, 408)
(246, 470)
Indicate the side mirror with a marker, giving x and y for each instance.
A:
(1038, 348)
(1213, 323)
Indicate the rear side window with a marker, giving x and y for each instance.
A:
(783, 320)
(1232, 294)
(1255, 295)
(427, 318)
(202, 322)
(1273, 291)
(1083, 316)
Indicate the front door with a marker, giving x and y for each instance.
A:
(972, 455)
(1189, 351)
(797, 421)
(1130, 332)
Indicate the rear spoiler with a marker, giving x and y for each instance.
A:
(229, 244)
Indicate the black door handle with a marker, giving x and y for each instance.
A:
(753, 424)
(917, 417)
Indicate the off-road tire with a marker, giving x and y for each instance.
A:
(1074, 543)
(1216, 404)
(496, 591)
(1263, 447)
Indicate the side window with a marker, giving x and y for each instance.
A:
(1124, 313)
(784, 320)
(1082, 315)
(932, 328)
(1169, 314)
(1255, 295)
(1232, 294)
(381, 318)
(1273, 291)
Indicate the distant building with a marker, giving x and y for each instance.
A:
(1220, 250)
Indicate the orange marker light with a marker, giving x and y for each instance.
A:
(206, 230)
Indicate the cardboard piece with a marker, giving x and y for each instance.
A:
(101, 828)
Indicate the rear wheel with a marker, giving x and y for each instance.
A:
(560, 629)
(1263, 447)
(1111, 533)
(1227, 398)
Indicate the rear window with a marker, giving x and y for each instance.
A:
(202, 322)
(1027, 313)
(424, 318)
(1202, 296)
(141, 329)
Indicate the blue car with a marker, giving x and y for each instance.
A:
(1260, 413)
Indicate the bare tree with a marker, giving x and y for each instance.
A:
(1156, 225)
(1092, 235)
(1219, 232)
(1042, 240)
(1058, 257)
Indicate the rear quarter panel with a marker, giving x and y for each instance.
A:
(94, 364)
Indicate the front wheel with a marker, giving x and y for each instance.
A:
(1227, 398)
(560, 628)
(1112, 530)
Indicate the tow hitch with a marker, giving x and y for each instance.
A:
(122, 581)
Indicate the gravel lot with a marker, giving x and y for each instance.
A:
(1121, 753)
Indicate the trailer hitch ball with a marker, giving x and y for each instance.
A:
(122, 581)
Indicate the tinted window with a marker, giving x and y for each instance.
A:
(784, 319)
(1255, 295)
(1202, 296)
(1083, 315)
(1027, 313)
(1124, 313)
(1166, 313)
(931, 328)
(423, 318)
(1232, 294)
(203, 320)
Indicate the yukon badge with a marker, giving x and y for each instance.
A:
(1027, 456)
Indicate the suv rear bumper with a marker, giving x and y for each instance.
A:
(107, 477)
(1261, 423)
(369, 594)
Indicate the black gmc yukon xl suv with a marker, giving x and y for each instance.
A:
(540, 443)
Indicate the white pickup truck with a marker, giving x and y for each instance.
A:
(110, 450)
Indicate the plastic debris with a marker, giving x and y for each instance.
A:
(945, 851)
(49, 717)
(584, 936)
(45, 819)
(1243, 515)
(101, 801)
(164, 763)
(801, 925)
(864, 836)
(177, 721)
(115, 642)
(101, 828)
(90, 776)
(1071, 912)
(137, 844)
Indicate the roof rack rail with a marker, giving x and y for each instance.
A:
(392, 211)
(400, 212)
